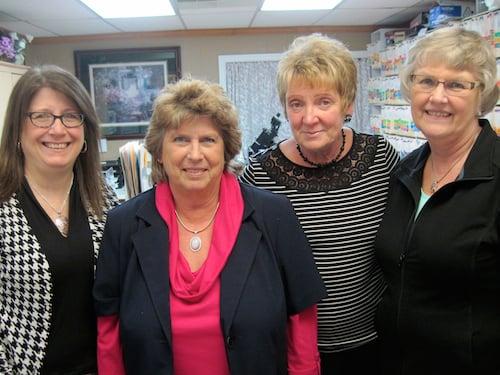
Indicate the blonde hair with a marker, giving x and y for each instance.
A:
(457, 49)
(187, 100)
(320, 61)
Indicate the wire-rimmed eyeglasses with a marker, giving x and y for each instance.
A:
(47, 119)
(454, 87)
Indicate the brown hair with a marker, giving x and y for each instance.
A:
(184, 101)
(87, 166)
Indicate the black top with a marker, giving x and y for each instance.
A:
(71, 348)
(440, 313)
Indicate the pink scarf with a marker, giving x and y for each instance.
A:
(197, 339)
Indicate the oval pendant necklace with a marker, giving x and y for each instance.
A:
(195, 241)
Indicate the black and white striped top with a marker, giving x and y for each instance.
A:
(340, 208)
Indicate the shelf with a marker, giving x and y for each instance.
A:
(410, 136)
(392, 104)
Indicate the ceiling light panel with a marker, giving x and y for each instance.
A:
(130, 8)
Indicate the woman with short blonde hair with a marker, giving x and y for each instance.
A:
(337, 181)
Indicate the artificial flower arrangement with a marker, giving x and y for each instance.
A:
(12, 46)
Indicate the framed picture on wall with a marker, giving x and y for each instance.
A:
(123, 84)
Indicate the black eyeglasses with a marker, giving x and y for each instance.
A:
(452, 87)
(46, 119)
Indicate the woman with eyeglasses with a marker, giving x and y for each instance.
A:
(439, 241)
(53, 204)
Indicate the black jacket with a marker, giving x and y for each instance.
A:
(440, 313)
(270, 274)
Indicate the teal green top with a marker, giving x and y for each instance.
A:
(423, 200)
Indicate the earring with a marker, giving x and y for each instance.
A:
(84, 149)
(348, 118)
(19, 147)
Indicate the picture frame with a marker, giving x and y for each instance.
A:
(123, 84)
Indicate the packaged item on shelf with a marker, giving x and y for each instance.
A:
(418, 23)
(450, 10)
(376, 124)
(387, 37)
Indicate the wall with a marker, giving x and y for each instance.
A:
(199, 49)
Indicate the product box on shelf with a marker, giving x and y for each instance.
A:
(386, 37)
(447, 11)
(418, 23)
(421, 19)
(379, 35)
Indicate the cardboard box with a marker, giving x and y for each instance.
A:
(379, 35)
(421, 19)
(387, 36)
(449, 10)
(443, 13)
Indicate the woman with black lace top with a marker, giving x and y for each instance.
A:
(337, 181)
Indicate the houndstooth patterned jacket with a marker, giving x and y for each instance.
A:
(26, 289)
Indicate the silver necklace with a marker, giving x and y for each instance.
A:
(435, 181)
(195, 241)
(60, 221)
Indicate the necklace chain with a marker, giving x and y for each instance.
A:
(436, 181)
(323, 165)
(61, 221)
(195, 241)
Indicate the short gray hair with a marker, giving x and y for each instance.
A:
(458, 49)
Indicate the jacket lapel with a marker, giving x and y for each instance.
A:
(237, 269)
(151, 243)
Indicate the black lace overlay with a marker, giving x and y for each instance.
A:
(338, 175)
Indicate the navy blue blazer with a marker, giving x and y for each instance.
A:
(270, 274)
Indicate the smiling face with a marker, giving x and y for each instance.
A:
(54, 149)
(316, 116)
(193, 156)
(441, 116)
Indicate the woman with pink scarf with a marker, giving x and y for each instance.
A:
(202, 274)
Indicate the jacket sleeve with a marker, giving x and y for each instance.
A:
(107, 288)
(303, 284)
(5, 367)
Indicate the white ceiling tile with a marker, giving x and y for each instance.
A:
(71, 17)
(353, 17)
(373, 4)
(289, 18)
(147, 23)
(218, 4)
(216, 21)
(26, 28)
(77, 27)
(4, 17)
